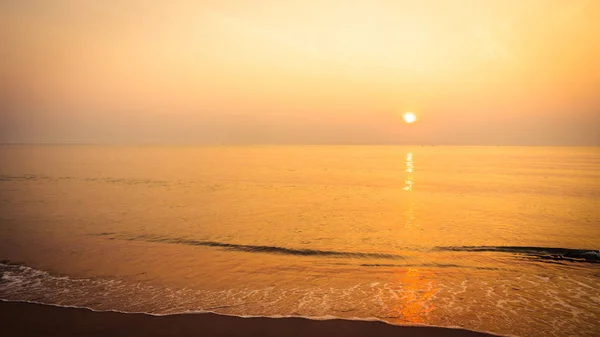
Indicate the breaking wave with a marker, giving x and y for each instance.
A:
(545, 253)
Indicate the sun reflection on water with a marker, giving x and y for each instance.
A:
(408, 186)
(417, 287)
(418, 291)
(408, 183)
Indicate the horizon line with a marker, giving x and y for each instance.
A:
(279, 144)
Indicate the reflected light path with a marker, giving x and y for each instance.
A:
(418, 292)
(408, 186)
(417, 288)
(408, 183)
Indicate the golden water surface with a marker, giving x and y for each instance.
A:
(500, 239)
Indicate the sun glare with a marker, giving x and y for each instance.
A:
(409, 117)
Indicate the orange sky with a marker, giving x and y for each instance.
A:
(190, 72)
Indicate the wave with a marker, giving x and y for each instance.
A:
(257, 248)
(20, 283)
(64, 312)
(545, 253)
(428, 265)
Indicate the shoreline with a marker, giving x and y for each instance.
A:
(31, 319)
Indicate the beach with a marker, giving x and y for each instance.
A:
(27, 319)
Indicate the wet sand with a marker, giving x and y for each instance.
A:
(26, 319)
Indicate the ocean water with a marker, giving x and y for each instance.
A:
(497, 239)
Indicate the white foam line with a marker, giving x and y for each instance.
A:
(312, 318)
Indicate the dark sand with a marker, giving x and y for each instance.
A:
(25, 319)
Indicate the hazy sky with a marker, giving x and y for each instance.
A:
(189, 72)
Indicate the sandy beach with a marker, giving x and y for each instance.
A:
(26, 319)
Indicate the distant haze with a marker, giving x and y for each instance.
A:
(474, 72)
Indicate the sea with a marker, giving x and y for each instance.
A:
(497, 239)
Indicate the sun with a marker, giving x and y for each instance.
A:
(409, 117)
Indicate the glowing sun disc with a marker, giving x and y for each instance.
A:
(409, 117)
